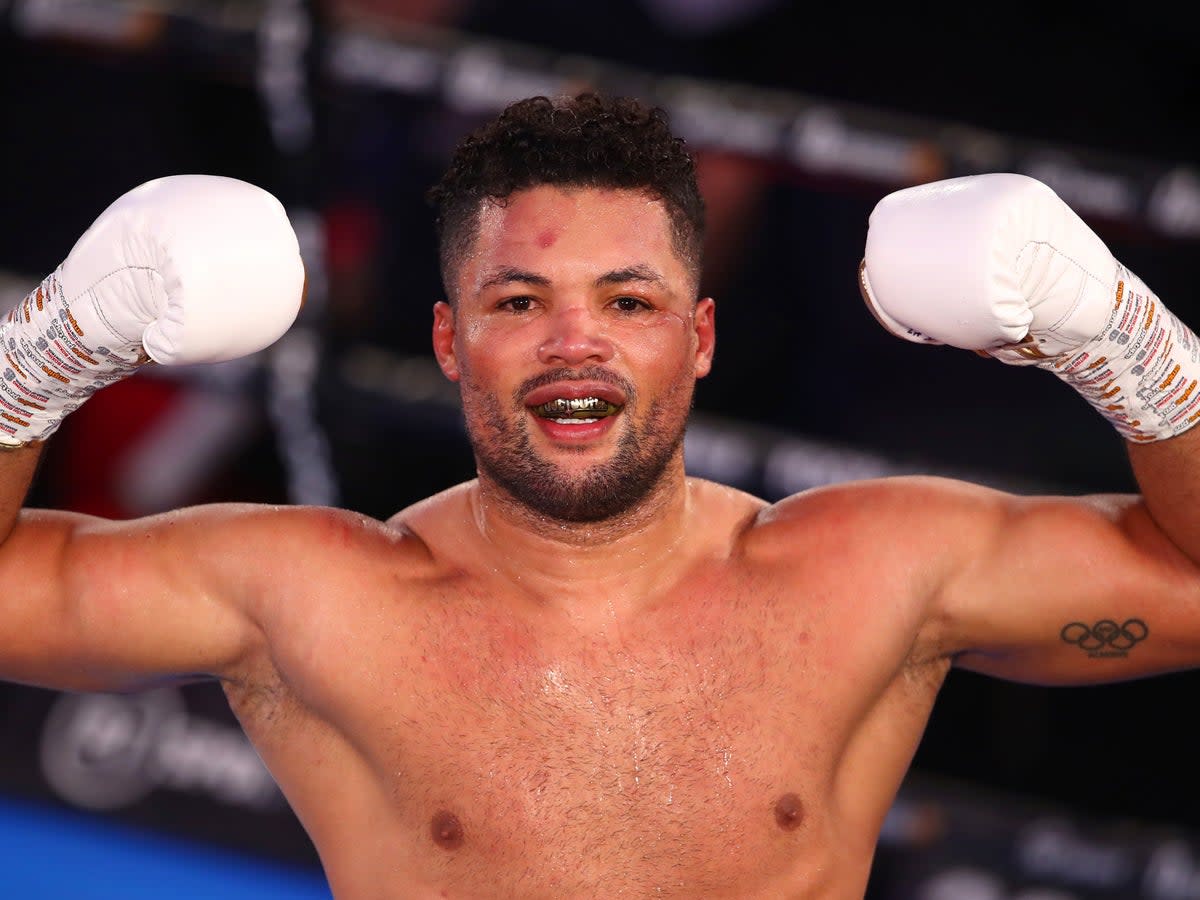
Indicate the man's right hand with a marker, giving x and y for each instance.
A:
(180, 270)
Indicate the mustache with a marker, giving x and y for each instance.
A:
(587, 373)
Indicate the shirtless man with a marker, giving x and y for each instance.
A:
(585, 674)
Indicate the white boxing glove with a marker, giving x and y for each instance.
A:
(999, 264)
(982, 261)
(180, 270)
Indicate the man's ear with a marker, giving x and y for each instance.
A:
(705, 325)
(443, 339)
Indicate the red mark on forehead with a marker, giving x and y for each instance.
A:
(546, 238)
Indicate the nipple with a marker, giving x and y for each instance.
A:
(446, 830)
(789, 812)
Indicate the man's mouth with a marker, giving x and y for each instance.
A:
(576, 410)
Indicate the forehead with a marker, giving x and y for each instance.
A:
(550, 227)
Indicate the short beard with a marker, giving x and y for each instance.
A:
(504, 453)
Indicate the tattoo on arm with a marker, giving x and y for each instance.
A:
(1105, 638)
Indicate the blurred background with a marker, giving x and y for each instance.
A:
(348, 110)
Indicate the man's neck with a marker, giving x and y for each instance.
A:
(622, 556)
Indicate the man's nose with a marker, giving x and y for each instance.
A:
(576, 336)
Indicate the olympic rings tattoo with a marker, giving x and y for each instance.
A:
(1106, 637)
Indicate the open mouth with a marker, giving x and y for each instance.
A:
(576, 410)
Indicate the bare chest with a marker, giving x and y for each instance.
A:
(580, 756)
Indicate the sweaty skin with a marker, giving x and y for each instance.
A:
(705, 695)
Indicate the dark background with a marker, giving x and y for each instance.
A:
(86, 118)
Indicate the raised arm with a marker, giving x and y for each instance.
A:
(1057, 590)
(181, 270)
(1168, 475)
(18, 465)
(1067, 590)
(98, 604)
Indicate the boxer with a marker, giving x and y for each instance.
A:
(584, 673)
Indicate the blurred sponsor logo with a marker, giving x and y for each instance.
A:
(1053, 849)
(1174, 206)
(107, 751)
(1088, 191)
(824, 141)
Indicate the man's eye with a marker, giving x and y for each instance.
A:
(517, 304)
(631, 304)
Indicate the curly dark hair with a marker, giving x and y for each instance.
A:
(583, 141)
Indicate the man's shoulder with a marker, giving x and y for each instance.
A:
(884, 490)
(892, 508)
(433, 523)
(430, 512)
(318, 540)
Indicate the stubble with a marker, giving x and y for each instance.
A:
(505, 454)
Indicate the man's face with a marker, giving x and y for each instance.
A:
(577, 342)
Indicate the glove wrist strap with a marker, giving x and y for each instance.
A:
(1142, 371)
(47, 369)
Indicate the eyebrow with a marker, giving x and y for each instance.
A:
(513, 275)
(631, 273)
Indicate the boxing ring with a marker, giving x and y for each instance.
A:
(126, 794)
